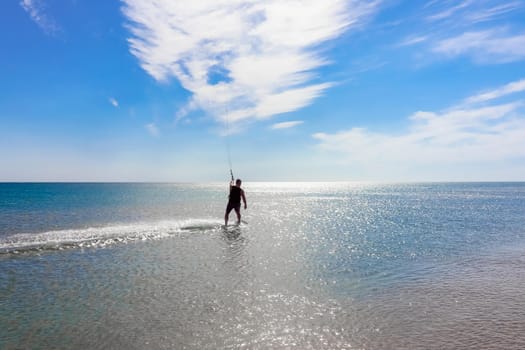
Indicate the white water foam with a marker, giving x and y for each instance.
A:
(102, 236)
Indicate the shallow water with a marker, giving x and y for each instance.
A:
(417, 266)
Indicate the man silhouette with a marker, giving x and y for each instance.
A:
(234, 201)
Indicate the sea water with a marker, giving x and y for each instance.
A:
(314, 266)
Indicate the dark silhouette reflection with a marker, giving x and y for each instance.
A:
(234, 249)
(231, 233)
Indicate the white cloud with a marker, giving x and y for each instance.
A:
(449, 11)
(287, 125)
(113, 102)
(258, 58)
(484, 31)
(35, 9)
(463, 135)
(489, 46)
(493, 12)
(413, 40)
(470, 12)
(153, 129)
(510, 88)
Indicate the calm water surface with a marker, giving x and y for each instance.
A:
(316, 266)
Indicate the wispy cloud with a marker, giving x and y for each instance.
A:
(36, 10)
(259, 58)
(469, 12)
(287, 125)
(153, 129)
(113, 102)
(472, 29)
(450, 11)
(489, 46)
(413, 40)
(466, 134)
(510, 88)
(494, 12)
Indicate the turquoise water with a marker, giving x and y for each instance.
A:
(317, 266)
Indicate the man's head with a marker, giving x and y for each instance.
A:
(238, 182)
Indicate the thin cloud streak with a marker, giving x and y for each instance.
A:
(494, 12)
(413, 41)
(510, 88)
(35, 9)
(469, 12)
(257, 58)
(449, 12)
(489, 46)
(286, 125)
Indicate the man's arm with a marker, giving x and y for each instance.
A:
(244, 199)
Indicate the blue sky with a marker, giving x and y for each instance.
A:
(157, 90)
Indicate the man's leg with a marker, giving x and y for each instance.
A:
(227, 215)
(238, 212)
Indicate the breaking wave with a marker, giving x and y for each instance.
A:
(102, 236)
